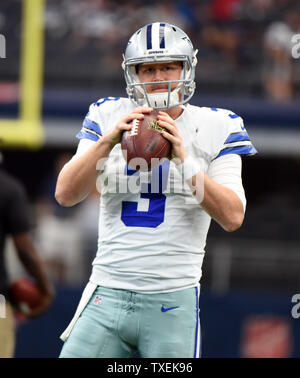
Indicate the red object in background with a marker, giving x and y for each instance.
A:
(224, 10)
(9, 92)
(266, 336)
(25, 294)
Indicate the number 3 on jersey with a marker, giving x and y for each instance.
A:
(153, 191)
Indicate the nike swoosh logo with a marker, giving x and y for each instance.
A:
(164, 309)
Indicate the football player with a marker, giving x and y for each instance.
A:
(143, 293)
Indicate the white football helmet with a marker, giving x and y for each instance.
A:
(156, 43)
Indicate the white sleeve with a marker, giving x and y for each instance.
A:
(83, 146)
(227, 171)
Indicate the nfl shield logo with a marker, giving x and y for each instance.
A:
(97, 299)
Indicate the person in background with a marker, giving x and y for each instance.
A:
(278, 68)
(15, 223)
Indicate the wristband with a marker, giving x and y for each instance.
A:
(188, 168)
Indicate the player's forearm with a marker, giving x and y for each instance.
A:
(220, 202)
(78, 177)
(31, 261)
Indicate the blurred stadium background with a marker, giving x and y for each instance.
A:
(246, 65)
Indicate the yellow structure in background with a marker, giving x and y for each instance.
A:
(27, 130)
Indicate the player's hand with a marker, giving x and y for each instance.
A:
(125, 124)
(173, 135)
(46, 301)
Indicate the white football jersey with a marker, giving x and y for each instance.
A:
(152, 232)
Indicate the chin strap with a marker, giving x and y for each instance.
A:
(160, 100)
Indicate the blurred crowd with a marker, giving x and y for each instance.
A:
(244, 45)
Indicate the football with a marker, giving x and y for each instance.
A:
(25, 294)
(144, 146)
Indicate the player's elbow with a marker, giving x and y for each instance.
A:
(63, 198)
(234, 222)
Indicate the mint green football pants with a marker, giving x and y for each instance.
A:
(119, 324)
